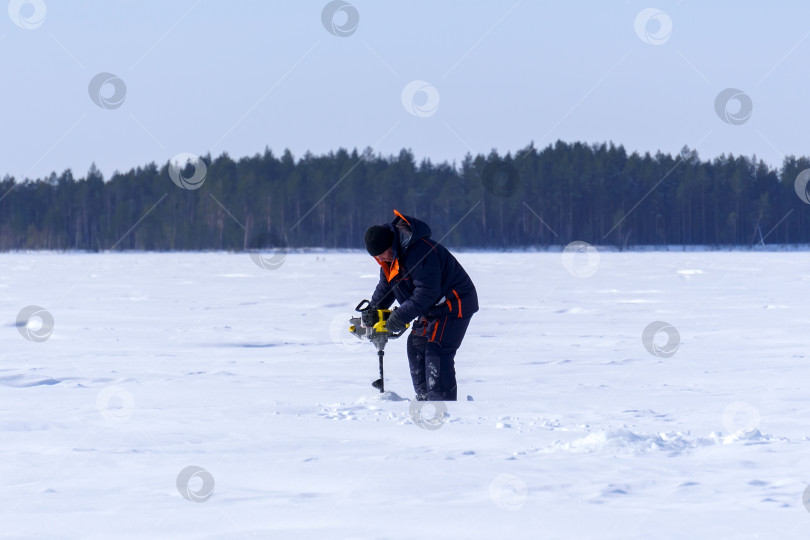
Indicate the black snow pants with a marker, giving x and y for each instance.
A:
(432, 346)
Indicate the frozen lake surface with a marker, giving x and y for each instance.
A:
(582, 425)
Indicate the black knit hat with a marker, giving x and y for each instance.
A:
(378, 239)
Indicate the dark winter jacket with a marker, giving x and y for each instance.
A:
(424, 277)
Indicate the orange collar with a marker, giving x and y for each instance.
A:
(390, 270)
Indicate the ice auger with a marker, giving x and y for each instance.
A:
(371, 325)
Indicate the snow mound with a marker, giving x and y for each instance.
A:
(385, 396)
(378, 406)
(629, 441)
(748, 437)
(26, 381)
(673, 443)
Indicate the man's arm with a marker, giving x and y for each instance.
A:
(383, 296)
(427, 280)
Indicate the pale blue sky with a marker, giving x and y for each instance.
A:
(237, 76)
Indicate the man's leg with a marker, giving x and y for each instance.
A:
(441, 373)
(416, 360)
(440, 351)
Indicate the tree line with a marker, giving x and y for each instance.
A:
(564, 192)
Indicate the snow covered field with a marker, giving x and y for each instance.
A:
(160, 362)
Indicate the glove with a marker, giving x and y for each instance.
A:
(395, 324)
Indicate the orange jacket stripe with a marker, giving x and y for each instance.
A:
(431, 245)
(459, 303)
(435, 327)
